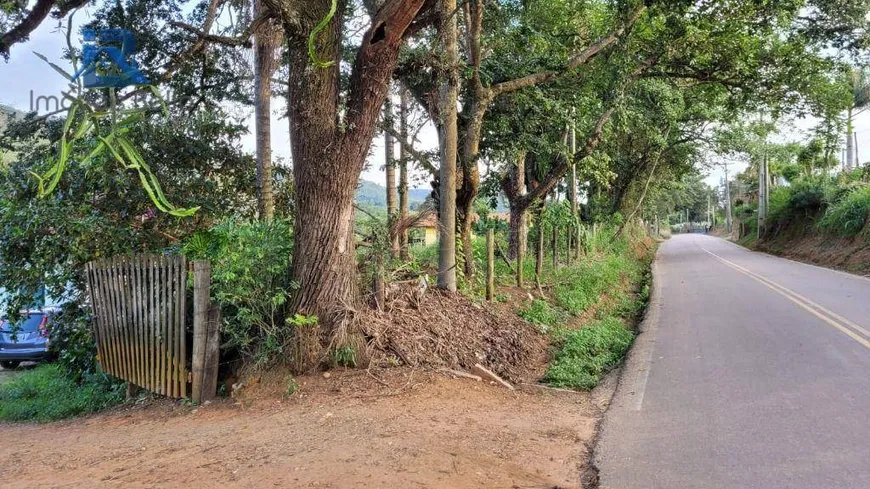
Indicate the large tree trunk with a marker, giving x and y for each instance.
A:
(328, 157)
(514, 188)
(449, 139)
(518, 235)
(470, 179)
(404, 205)
(267, 40)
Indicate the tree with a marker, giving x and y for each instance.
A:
(859, 86)
(331, 133)
(448, 137)
(267, 39)
(533, 70)
(390, 168)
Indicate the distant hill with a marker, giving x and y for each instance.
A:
(7, 113)
(374, 194)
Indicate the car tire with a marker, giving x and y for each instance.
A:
(10, 364)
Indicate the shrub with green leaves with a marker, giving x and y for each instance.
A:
(849, 215)
(588, 281)
(72, 341)
(585, 355)
(250, 264)
(541, 313)
(47, 393)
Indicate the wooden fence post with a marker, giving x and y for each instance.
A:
(519, 267)
(490, 264)
(201, 303)
(555, 246)
(212, 354)
(539, 257)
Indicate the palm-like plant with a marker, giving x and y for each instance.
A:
(859, 85)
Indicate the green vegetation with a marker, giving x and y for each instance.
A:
(541, 313)
(849, 215)
(48, 393)
(591, 280)
(584, 355)
(835, 206)
(640, 84)
(251, 282)
(612, 282)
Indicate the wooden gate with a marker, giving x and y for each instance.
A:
(139, 306)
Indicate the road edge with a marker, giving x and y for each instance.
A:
(792, 260)
(633, 373)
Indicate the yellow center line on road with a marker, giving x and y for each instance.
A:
(826, 315)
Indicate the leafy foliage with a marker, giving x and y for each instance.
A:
(541, 313)
(73, 342)
(588, 353)
(849, 215)
(47, 393)
(251, 281)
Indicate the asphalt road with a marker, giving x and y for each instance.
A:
(751, 372)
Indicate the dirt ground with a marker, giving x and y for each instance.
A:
(395, 428)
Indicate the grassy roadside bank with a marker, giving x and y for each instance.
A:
(817, 220)
(589, 309)
(46, 393)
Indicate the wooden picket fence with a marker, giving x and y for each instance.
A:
(140, 312)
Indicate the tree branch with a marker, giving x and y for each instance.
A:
(574, 61)
(243, 39)
(27, 25)
(419, 156)
(558, 172)
(372, 69)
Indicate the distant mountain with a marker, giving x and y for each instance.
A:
(374, 194)
(7, 113)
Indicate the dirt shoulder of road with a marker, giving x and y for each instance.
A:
(845, 254)
(390, 428)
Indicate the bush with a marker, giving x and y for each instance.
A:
(46, 393)
(588, 281)
(541, 313)
(588, 353)
(72, 341)
(807, 196)
(849, 215)
(250, 264)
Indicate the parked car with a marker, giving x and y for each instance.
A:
(26, 342)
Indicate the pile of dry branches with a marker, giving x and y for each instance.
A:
(423, 327)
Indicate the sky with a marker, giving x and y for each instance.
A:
(25, 77)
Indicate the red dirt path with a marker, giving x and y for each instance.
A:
(403, 429)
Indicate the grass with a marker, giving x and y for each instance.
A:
(586, 354)
(589, 281)
(46, 393)
(543, 314)
(848, 216)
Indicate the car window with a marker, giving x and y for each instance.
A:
(29, 325)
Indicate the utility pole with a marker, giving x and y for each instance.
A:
(762, 191)
(728, 220)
